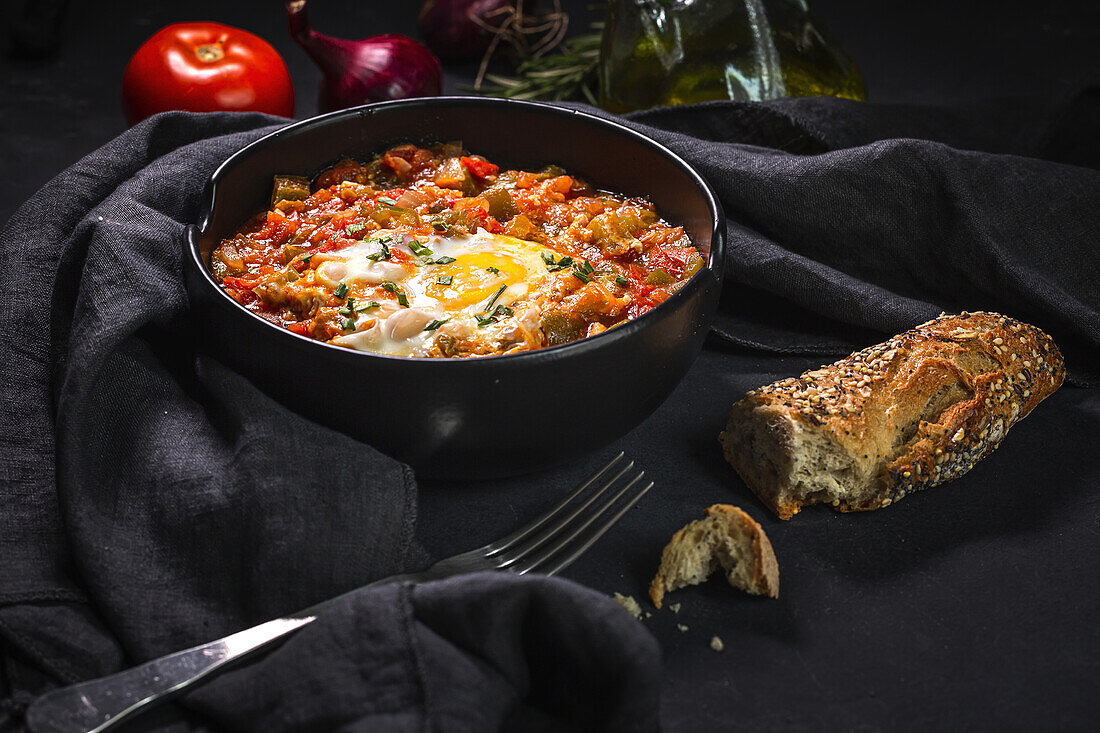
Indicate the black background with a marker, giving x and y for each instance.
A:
(916, 617)
(58, 109)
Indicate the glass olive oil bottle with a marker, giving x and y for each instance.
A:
(666, 52)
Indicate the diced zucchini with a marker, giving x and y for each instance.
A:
(693, 266)
(290, 251)
(387, 215)
(613, 230)
(452, 174)
(521, 227)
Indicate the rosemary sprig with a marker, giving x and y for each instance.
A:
(567, 74)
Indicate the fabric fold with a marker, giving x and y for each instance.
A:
(482, 652)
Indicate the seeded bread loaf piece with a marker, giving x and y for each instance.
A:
(914, 412)
(727, 538)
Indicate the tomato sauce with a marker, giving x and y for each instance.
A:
(620, 258)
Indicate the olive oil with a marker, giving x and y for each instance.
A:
(668, 52)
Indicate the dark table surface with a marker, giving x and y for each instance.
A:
(58, 109)
(972, 650)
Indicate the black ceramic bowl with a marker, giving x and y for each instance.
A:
(468, 418)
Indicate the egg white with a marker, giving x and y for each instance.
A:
(473, 288)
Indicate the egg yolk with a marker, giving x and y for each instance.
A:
(474, 278)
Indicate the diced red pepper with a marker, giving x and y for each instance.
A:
(672, 260)
(277, 228)
(239, 283)
(480, 168)
(239, 289)
(301, 327)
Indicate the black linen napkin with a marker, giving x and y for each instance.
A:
(880, 217)
(153, 499)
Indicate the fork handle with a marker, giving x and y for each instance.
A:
(100, 704)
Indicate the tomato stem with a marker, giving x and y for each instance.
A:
(209, 52)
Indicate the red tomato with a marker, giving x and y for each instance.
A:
(205, 67)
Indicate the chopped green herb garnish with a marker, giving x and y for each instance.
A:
(386, 200)
(622, 281)
(446, 280)
(497, 294)
(483, 321)
(443, 260)
(435, 324)
(586, 267)
(502, 310)
(352, 229)
(390, 286)
(308, 257)
(419, 249)
(368, 306)
(552, 266)
(493, 270)
(341, 291)
(382, 254)
(561, 264)
(348, 309)
(349, 324)
(442, 227)
(583, 277)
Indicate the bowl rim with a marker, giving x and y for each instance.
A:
(715, 263)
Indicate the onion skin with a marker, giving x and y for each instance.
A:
(374, 69)
(449, 28)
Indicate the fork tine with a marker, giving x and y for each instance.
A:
(566, 561)
(498, 546)
(531, 544)
(570, 535)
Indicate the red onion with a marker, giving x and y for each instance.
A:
(462, 29)
(389, 66)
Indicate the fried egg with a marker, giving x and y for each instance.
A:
(454, 287)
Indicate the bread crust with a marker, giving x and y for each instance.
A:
(753, 546)
(913, 412)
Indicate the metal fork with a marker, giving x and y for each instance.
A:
(546, 545)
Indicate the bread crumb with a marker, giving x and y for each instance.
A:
(630, 605)
(681, 627)
(716, 644)
(675, 608)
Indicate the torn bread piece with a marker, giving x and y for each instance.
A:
(727, 538)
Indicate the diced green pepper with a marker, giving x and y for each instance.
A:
(289, 188)
(551, 171)
(502, 206)
(659, 278)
